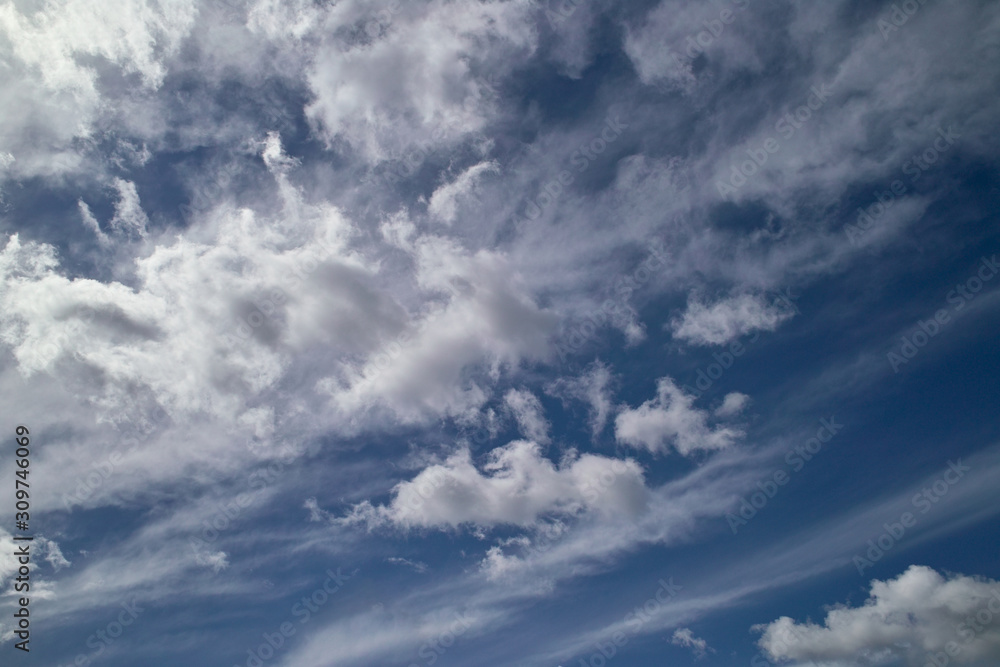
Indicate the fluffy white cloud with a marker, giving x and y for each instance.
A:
(529, 414)
(732, 404)
(410, 78)
(916, 618)
(671, 419)
(727, 319)
(489, 319)
(517, 485)
(56, 53)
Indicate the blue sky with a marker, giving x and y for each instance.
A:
(516, 333)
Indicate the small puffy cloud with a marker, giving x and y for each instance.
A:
(516, 486)
(217, 560)
(671, 419)
(732, 404)
(274, 155)
(54, 555)
(912, 620)
(529, 413)
(727, 319)
(684, 637)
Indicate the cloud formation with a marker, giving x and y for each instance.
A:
(516, 485)
(671, 420)
(917, 618)
(726, 320)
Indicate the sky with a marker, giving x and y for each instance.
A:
(505, 333)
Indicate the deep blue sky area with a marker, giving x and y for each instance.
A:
(514, 333)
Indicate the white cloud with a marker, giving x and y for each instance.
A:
(90, 222)
(516, 486)
(129, 218)
(529, 414)
(671, 419)
(53, 554)
(56, 53)
(915, 618)
(489, 319)
(733, 404)
(727, 319)
(412, 83)
(685, 637)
